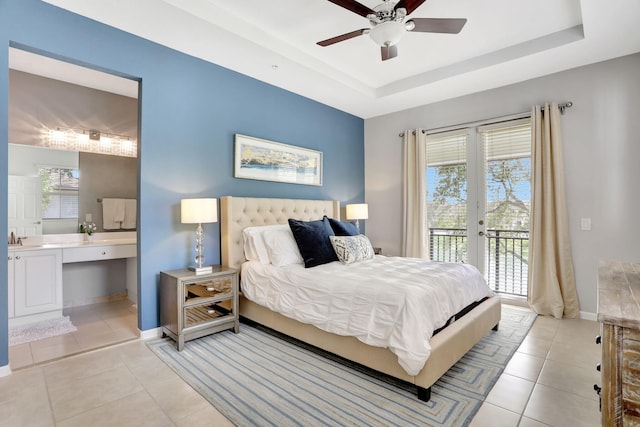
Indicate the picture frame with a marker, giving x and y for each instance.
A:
(260, 159)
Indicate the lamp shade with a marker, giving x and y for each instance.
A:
(198, 211)
(358, 211)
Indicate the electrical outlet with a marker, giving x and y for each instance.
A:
(88, 217)
(585, 224)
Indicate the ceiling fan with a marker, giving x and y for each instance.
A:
(388, 26)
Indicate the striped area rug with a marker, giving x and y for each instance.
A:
(255, 378)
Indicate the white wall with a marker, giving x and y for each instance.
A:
(601, 154)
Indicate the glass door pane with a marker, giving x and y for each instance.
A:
(506, 151)
(447, 196)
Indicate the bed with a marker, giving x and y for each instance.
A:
(446, 347)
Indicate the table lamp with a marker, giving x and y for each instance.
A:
(357, 211)
(199, 211)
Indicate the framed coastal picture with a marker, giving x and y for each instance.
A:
(257, 158)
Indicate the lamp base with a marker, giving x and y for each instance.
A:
(201, 270)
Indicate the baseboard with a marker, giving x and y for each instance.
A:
(96, 300)
(150, 333)
(5, 371)
(586, 315)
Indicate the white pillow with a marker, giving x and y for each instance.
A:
(350, 249)
(254, 247)
(282, 247)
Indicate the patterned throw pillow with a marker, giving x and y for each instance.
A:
(350, 249)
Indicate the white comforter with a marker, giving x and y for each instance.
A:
(389, 302)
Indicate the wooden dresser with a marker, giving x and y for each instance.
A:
(619, 314)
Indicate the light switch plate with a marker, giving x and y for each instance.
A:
(585, 224)
(88, 217)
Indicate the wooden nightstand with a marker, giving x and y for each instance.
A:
(193, 306)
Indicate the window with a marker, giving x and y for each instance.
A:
(60, 188)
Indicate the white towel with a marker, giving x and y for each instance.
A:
(129, 222)
(112, 213)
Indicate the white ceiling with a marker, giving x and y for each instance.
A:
(503, 42)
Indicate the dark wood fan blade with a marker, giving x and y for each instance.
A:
(410, 5)
(354, 7)
(438, 25)
(389, 52)
(342, 37)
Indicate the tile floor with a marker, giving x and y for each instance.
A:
(98, 325)
(549, 382)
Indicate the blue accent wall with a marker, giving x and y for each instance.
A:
(189, 112)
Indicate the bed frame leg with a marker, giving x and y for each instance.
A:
(424, 394)
(495, 328)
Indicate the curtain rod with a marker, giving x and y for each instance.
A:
(563, 106)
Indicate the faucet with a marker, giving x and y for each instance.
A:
(13, 241)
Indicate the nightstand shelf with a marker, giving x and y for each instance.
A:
(193, 306)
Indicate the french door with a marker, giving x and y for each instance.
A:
(478, 200)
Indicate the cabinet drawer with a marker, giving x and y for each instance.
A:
(198, 314)
(219, 288)
(97, 253)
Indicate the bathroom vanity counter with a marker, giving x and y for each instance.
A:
(37, 272)
(77, 241)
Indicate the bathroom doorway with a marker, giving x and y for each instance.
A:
(53, 104)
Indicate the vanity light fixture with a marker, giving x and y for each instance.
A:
(357, 211)
(91, 141)
(199, 211)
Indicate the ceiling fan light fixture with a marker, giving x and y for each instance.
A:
(388, 33)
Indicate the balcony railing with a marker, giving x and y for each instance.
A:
(506, 255)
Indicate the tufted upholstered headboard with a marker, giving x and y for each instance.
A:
(237, 213)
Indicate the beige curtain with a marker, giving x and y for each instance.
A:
(552, 287)
(414, 209)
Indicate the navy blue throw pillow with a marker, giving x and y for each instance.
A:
(313, 241)
(343, 228)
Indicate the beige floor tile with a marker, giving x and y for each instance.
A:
(125, 334)
(537, 347)
(573, 327)
(528, 422)
(206, 417)
(105, 338)
(177, 399)
(153, 371)
(544, 328)
(493, 416)
(524, 366)
(561, 409)
(510, 393)
(24, 400)
(91, 328)
(579, 354)
(55, 351)
(73, 396)
(135, 410)
(570, 378)
(20, 356)
(124, 320)
(81, 366)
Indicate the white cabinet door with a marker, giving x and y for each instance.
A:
(37, 281)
